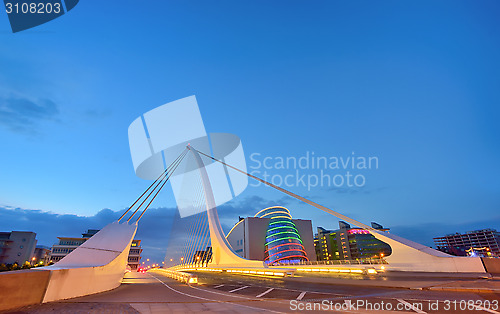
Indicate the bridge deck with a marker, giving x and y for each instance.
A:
(154, 293)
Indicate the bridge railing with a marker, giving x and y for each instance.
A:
(366, 261)
(178, 275)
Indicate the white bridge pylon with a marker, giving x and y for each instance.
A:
(222, 253)
(406, 255)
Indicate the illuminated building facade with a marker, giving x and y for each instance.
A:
(66, 245)
(348, 243)
(283, 243)
(484, 242)
(273, 236)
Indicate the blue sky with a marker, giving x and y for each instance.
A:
(413, 83)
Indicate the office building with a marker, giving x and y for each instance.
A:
(134, 256)
(485, 242)
(17, 247)
(66, 245)
(274, 237)
(202, 258)
(41, 256)
(348, 243)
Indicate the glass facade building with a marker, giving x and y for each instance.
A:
(349, 243)
(283, 243)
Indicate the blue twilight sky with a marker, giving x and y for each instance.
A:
(414, 83)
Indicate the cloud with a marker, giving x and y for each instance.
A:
(20, 114)
(420, 233)
(154, 228)
(156, 225)
(249, 206)
(154, 232)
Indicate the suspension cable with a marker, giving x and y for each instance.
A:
(197, 199)
(164, 176)
(161, 175)
(161, 178)
(323, 208)
(165, 182)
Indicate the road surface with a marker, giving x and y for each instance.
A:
(154, 293)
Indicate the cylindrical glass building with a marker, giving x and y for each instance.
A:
(283, 242)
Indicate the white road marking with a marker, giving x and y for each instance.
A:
(212, 300)
(301, 295)
(265, 292)
(485, 309)
(218, 286)
(237, 289)
(411, 306)
(225, 293)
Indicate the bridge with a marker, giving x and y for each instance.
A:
(154, 292)
(225, 278)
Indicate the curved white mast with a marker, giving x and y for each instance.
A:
(222, 254)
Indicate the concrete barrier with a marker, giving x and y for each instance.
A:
(491, 264)
(95, 266)
(178, 275)
(22, 287)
